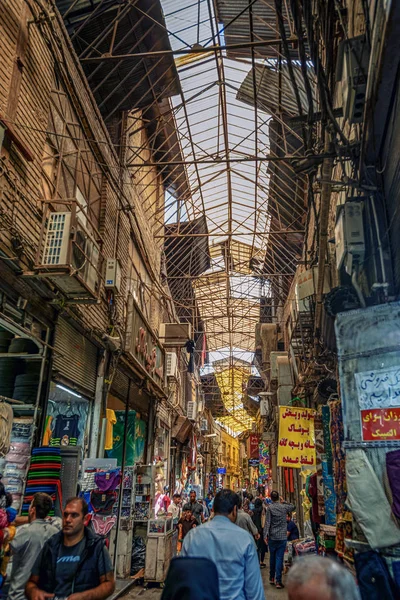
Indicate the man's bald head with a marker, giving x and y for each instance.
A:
(318, 578)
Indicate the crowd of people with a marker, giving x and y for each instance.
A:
(222, 544)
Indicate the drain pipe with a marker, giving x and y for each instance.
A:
(327, 167)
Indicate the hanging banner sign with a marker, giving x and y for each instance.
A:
(296, 444)
(252, 445)
(379, 424)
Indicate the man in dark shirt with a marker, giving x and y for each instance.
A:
(292, 529)
(196, 508)
(74, 563)
(275, 536)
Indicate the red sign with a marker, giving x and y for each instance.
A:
(380, 424)
(252, 446)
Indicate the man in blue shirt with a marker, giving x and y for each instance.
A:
(230, 548)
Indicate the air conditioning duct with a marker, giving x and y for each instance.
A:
(175, 335)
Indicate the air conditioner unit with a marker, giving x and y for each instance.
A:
(354, 62)
(70, 257)
(349, 235)
(171, 364)
(175, 334)
(204, 425)
(191, 410)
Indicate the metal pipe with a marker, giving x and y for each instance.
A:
(327, 167)
(216, 161)
(121, 489)
(195, 50)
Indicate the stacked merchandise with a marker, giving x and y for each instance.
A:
(43, 476)
(100, 489)
(327, 540)
(17, 459)
(304, 546)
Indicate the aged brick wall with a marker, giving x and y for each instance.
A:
(27, 89)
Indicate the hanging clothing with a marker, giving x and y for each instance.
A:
(373, 577)
(47, 431)
(66, 431)
(393, 472)
(368, 502)
(111, 421)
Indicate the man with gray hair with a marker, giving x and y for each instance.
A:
(318, 578)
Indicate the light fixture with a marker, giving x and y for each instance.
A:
(68, 390)
(208, 435)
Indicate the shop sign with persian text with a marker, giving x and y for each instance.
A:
(380, 424)
(296, 443)
(146, 349)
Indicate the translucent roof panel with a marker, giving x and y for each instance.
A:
(224, 142)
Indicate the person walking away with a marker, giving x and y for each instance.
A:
(28, 542)
(259, 521)
(209, 502)
(292, 529)
(196, 508)
(230, 548)
(244, 521)
(185, 524)
(73, 564)
(191, 579)
(275, 536)
(321, 578)
(175, 508)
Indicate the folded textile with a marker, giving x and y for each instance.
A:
(108, 480)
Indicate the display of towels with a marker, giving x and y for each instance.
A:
(43, 476)
(14, 466)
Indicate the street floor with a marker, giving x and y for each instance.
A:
(154, 593)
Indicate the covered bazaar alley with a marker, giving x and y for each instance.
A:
(199, 299)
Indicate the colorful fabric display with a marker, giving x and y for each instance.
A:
(108, 480)
(103, 502)
(88, 481)
(66, 431)
(43, 475)
(338, 454)
(393, 473)
(103, 525)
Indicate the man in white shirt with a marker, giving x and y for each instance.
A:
(28, 542)
(175, 509)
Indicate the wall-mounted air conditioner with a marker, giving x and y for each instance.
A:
(349, 235)
(192, 410)
(171, 361)
(175, 335)
(70, 257)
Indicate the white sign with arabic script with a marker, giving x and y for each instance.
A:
(379, 388)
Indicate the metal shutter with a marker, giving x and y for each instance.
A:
(75, 358)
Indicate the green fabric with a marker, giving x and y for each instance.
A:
(118, 438)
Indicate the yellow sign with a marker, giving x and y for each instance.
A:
(296, 444)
